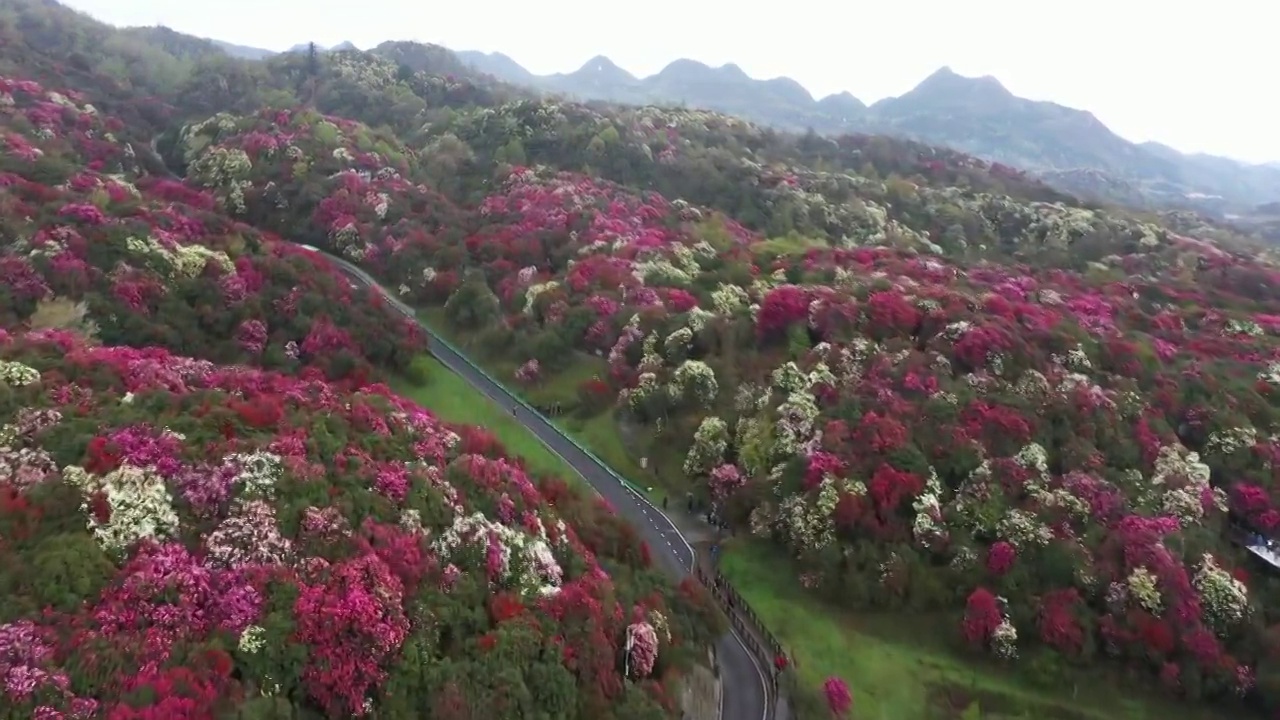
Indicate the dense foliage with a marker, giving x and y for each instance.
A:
(1038, 414)
(181, 538)
(940, 385)
(148, 261)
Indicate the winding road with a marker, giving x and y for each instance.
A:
(745, 693)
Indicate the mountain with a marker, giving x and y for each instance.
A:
(424, 58)
(1068, 147)
(498, 65)
(781, 102)
(244, 51)
(344, 45)
(599, 76)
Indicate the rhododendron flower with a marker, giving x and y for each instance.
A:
(839, 699)
(642, 641)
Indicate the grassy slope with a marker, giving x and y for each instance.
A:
(901, 666)
(451, 398)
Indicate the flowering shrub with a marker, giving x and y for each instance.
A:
(576, 257)
(165, 553)
(839, 700)
(328, 181)
(724, 480)
(644, 648)
(529, 372)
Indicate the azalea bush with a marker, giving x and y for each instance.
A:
(839, 700)
(181, 539)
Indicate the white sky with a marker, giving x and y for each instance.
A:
(1198, 76)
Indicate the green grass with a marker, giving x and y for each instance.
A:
(900, 666)
(600, 434)
(792, 244)
(453, 400)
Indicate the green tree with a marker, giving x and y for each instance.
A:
(511, 154)
(473, 305)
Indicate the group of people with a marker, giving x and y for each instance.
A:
(692, 504)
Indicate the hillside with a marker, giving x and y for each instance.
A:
(211, 506)
(147, 261)
(225, 539)
(1068, 147)
(1019, 438)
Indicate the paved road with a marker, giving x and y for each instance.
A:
(745, 694)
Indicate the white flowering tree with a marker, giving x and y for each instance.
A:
(710, 443)
(676, 346)
(1224, 598)
(694, 382)
(225, 172)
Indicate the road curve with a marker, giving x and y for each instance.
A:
(745, 690)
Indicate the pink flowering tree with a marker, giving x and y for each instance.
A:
(644, 649)
(529, 373)
(839, 699)
(724, 480)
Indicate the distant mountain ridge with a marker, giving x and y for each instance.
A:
(252, 53)
(244, 51)
(1066, 146)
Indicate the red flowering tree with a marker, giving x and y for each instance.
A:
(982, 615)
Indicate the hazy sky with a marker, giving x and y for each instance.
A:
(1199, 76)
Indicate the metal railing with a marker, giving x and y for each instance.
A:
(749, 627)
